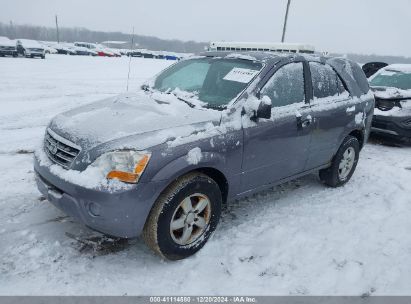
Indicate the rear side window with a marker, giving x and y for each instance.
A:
(286, 86)
(325, 81)
(359, 77)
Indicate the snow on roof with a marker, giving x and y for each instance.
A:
(405, 68)
(4, 41)
(29, 43)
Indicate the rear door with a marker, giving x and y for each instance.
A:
(332, 110)
(277, 148)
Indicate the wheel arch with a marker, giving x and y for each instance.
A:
(359, 135)
(213, 173)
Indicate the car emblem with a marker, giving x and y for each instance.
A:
(53, 149)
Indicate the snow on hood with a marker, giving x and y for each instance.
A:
(405, 68)
(161, 115)
(390, 93)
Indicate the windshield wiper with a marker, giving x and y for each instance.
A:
(216, 107)
(191, 105)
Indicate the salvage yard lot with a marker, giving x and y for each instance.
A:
(298, 238)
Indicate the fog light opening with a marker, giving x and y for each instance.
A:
(93, 209)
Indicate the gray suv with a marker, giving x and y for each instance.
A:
(210, 129)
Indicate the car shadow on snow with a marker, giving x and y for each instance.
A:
(93, 244)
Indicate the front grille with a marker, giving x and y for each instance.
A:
(36, 50)
(386, 104)
(60, 150)
(379, 124)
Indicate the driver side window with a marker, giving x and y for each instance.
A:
(286, 86)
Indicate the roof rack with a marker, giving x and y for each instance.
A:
(261, 46)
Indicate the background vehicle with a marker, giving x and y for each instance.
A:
(371, 68)
(48, 49)
(7, 47)
(226, 126)
(83, 51)
(32, 48)
(99, 49)
(64, 49)
(392, 116)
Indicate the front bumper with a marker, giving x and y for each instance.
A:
(8, 52)
(398, 127)
(34, 54)
(121, 213)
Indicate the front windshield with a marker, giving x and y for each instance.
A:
(215, 81)
(395, 79)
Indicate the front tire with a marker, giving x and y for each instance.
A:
(343, 164)
(183, 217)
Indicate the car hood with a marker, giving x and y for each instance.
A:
(143, 119)
(391, 93)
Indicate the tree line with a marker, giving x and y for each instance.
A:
(14, 31)
(147, 42)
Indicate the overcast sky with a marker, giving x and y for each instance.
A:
(361, 26)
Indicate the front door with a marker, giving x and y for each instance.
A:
(277, 148)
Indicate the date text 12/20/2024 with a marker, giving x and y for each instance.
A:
(203, 299)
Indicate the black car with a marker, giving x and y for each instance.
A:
(371, 68)
(392, 89)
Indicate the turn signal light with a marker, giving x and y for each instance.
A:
(129, 177)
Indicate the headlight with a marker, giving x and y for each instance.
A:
(126, 166)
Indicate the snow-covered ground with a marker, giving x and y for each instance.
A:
(299, 238)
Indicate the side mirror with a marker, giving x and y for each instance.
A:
(264, 108)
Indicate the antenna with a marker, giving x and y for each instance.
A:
(130, 55)
(285, 21)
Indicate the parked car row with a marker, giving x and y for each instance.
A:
(154, 54)
(32, 48)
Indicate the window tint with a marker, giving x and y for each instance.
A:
(286, 86)
(325, 81)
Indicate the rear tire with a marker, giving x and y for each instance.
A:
(343, 164)
(183, 217)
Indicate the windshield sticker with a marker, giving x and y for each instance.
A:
(240, 75)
